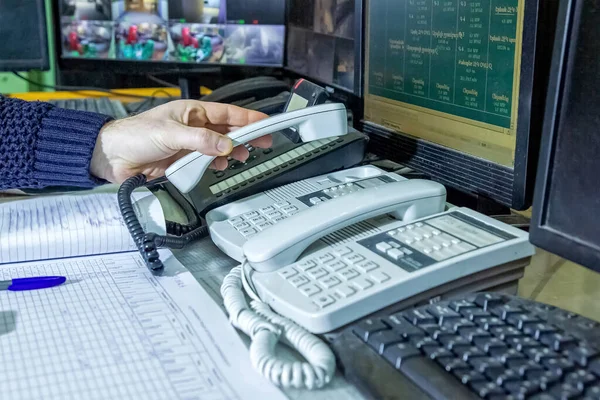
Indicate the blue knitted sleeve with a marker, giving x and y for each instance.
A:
(42, 146)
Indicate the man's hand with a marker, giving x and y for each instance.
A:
(150, 142)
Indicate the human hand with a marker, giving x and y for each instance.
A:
(150, 142)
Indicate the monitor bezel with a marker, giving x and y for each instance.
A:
(41, 64)
(531, 98)
(142, 67)
(542, 234)
(359, 21)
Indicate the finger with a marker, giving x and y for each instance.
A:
(180, 137)
(263, 142)
(219, 163)
(224, 114)
(240, 153)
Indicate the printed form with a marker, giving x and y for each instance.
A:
(115, 331)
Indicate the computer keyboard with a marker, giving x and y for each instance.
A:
(485, 345)
(102, 105)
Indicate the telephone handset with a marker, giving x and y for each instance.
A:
(312, 123)
(283, 243)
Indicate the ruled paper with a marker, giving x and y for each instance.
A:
(49, 227)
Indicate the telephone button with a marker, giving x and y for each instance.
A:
(354, 258)
(310, 290)
(396, 254)
(345, 291)
(278, 219)
(383, 246)
(288, 273)
(264, 225)
(362, 283)
(342, 251)
(251, 214)
(306, 265)
(298, 280)
(258, 220)
(336, 266)
(242, 225)
(236, 220)
(289, 209)
(268, 209)
(379, 276)
(274, 214)
(324, 301)
(325, 258)
(317, 273)
(248, 232)
(281, 204)
(314, 200)
(348, 273)
(367, 266)
(330, 281)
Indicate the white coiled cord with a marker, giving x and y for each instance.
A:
(266, 328)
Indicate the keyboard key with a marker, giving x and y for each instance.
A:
(418, 317)
(366, 266)
(470, 352)
(549, 379)
(559, 365)
(443, 313)
(489, 300)
(379, 276)
(537, 330)
(592, 392)
(458, 305)
(526, 367)
(325, 258)
(336, 265)
(510, 355)
(304, 265)
(538, 354)
(398, 353)
(471, 313)
(367, 327)
(362, 283)
(310, 289)
(582, 355)
(523, 388)
(580, 378)
(454, 342)
(422, 343)
(383, 247)
(522, 343)
(299, 280)
(458, 324)
(486, 390)
(505, 332)
(287, 273)
(506, 310)
(348, 273)
(468, 376)
(520, 320)
(488, 322)
(491, 345)
(342, 251)
(403, 327)
(317, 273)
(354, 258)
(381, 340)
(440, 352)
(472, 333)
(558, 342)
(329, 281)
(565, 391)
(507, 376)
(324, 301)
(345, 291)
(452, 364)
(594, 367)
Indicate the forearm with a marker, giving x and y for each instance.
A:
(43, 146)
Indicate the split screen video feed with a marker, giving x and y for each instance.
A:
(192, 31)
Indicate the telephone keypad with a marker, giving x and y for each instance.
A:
(330, 281)
(258, 220)
(310, 289)
(337, 265)
(379, 276)
(362, 283)
(317, 273)
(348, 273)
(345, 291)
(248, 232)
(324, 301)
(367, 266)
(288, 273)
(299, 280)
(354, 258)
(325, 258)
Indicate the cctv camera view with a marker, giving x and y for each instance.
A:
(189, 31)
(321, 40)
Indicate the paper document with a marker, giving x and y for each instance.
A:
(48, 227)
(115, 331)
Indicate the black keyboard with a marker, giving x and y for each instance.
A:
(485, 345)
(102, 105)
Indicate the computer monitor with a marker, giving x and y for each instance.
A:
(324, 42)
(175, 32)
(567, 201)
(455, 89)
(24, 38)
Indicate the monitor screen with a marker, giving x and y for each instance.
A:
(24, 43)
(448, 72)
(322, 43)
(248, 32)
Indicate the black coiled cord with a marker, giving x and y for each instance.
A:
(148, 243)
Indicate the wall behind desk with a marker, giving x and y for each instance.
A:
(12, 84)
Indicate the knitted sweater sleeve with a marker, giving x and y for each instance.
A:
(42, 146)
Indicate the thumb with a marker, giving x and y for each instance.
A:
(203, 140)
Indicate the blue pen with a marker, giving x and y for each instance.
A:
(39, 282)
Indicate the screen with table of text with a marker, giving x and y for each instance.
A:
(446, 71)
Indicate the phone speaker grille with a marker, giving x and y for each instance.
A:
(291, 190)
(355, 232)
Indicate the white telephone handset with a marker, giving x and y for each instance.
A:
(283, 243)
(312, 123)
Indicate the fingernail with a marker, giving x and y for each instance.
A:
(224, 145)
